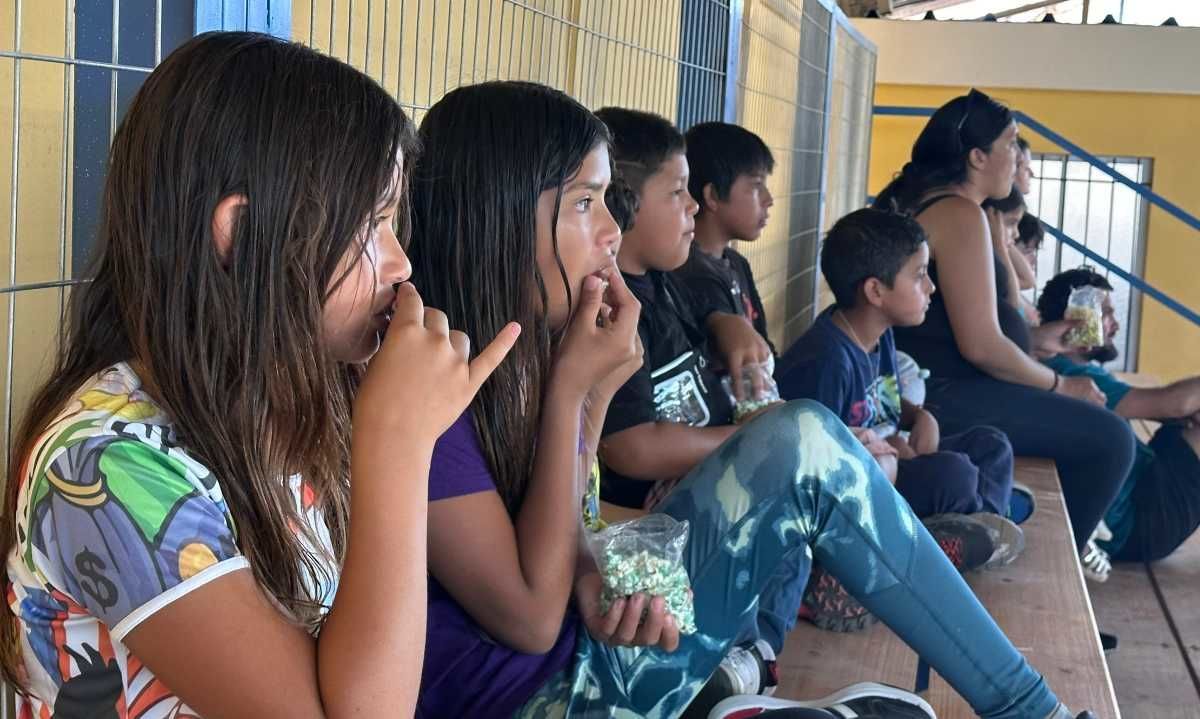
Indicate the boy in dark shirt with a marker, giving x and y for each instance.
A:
(729, 169)
(673, 411)
(875, 262)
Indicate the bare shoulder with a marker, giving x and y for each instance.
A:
(954, 224)
(953, 209)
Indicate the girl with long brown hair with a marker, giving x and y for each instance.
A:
(179, 501)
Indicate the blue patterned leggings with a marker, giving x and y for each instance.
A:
(791, 486)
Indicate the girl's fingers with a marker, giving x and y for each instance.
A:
(461, 344)
(435, 321)
(408, 306)
(492, 355)
(627, 630)
(626, 307)
(612, 620)
(670, 635)
(651, 630)
(591, 299)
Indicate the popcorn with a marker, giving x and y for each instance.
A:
(645, 555)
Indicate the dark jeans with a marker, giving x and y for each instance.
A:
(1092, 448)
(1166, 499)
(971, 472)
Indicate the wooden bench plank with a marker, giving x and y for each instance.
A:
(1040, 601)
(1148, 671)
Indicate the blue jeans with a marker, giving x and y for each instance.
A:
(791, 486)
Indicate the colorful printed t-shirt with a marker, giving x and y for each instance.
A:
(861, 388)
(114, 522)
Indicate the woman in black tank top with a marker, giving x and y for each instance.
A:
(973, 340)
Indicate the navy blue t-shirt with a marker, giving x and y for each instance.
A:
(828, 366)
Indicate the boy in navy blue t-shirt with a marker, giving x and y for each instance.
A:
(875, 262)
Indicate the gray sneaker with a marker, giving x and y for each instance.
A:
(1007, 537)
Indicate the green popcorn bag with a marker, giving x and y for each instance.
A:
(646, 555)
(751, 403)
(1086, 304)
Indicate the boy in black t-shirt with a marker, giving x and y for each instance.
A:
(729, 169)
(673, 411)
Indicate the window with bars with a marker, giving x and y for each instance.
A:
(1105, 216)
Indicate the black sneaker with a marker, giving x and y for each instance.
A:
(746, 669)
(827, 604)
(1109, 642)
(861, 701)
(966, 542)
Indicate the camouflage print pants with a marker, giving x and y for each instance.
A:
(792, 485)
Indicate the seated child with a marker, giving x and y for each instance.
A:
(1158, 507)
(875, 262)
(1004, 218)
(729, 167)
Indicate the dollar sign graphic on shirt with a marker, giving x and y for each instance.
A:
(97, 586)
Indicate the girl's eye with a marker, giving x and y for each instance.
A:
(584, 205)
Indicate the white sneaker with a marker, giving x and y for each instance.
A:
(1096, 563)
(749, 669)
(857, 700)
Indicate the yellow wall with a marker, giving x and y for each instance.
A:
(419, 56)
(1159, 126)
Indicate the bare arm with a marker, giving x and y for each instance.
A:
(513, 575)
(661, 450)
(1175, 401)
(1003, 252)
(1026, 278)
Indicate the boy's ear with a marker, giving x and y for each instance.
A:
(224, 222)
(873, 290)
(710, 198)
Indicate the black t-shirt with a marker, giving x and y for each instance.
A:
(724, 284)
(676, 383)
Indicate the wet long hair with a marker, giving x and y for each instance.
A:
(941, 153)
(490, 151)
(234, 354)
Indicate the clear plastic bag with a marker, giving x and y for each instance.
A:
(751, 403)
(646, 555)
(1086, 304)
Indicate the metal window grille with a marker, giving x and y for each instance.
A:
(1102, 214)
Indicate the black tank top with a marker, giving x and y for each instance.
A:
(932, 343)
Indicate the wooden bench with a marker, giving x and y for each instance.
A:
(1040, 601)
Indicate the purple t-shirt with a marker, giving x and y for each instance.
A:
(467, 673)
